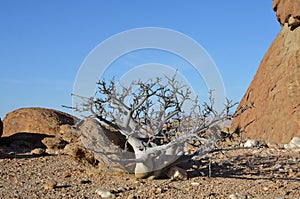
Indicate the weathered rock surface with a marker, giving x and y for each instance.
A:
(274, 91)
(55, 143)
(286, 9)
(107, 146)
(37, 120)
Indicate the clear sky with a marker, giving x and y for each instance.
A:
(43, 43)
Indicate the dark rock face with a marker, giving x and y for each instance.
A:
(1, 127)
(37, 120)
(22, 142)
(275, 89)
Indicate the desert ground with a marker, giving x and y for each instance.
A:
(265, 172)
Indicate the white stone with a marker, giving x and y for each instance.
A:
(195, 183)
(294, 144)
(252, 143)
(104, 193)
(233, 196)
(295, 141)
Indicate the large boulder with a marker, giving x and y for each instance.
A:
(274, 91)
(37, 120)
(107, 145)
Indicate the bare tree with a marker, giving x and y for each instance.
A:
(142, 113)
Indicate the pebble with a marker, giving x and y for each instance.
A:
(238, 196)
(158, 190)
(252, 143)
(131, 196)
(233, 196)
(50, 185)
(195, 183)
(66, 175)
(277, 167)
(38, 151)
(104, 193)
(265, 188)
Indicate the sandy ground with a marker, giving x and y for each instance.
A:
(255, 173)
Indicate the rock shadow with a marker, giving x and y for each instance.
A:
(248, 168)
(20, 145)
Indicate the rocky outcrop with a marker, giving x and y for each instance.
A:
(287, 11)
(37, 120)
(107, 146)
(274, 91)
(28, 129)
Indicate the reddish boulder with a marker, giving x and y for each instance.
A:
(274, 91)
(37, 120)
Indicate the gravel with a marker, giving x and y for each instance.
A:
(247, 173)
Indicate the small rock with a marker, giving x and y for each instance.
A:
(54, 142)
(195, 183)
(294, 144)
(54, 152)
(16, 181)
(158, 190)
(66, 175)
(67, 129)
(79, 153)
(277, 167)
(38, 151)
(131, 196)
(104, 193)
(233, 196)
(50, 185)
(252, 143)
(177, 173)
(243, 196)
(238, 196)
(265, 188)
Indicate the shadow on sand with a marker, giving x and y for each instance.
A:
(248, 167)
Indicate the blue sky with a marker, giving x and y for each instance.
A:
(43, 43)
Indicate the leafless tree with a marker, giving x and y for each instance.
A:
(142, 113)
